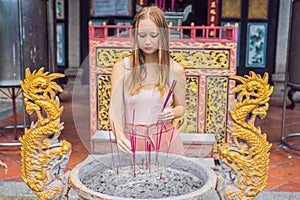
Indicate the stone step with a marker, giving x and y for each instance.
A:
(13, 190)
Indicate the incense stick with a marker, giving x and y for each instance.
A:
(169, 94)
(149, 156)
(170, 142)
(157, 147)
(164, 106)
(133, 143)
(146, 148)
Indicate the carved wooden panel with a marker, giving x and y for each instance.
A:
(103, 93)
(204, 58)
(189, 122)
(207, 68)
(216, 108)
(108, 56)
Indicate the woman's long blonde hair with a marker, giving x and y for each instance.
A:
(138, 72)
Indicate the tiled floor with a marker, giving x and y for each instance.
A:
(284, 172)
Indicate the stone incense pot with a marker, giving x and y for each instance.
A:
(161, 178)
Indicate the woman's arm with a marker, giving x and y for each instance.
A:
(179, 90)
(178, 95)
(116, 109)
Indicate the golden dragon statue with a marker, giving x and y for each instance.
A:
(44, 158)
(247, 154)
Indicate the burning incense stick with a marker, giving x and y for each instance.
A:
(133, 143)
(170, 142)
(149, 156)
(157, 146)
(160, 134)
(164, 106)
(146, 148)
(167, 98)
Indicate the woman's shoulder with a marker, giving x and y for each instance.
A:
(123, 64)
(177, 67)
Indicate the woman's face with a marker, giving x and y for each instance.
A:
(148, 36)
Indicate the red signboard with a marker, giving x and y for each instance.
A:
(212, 16)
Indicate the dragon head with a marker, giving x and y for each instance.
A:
(253, 87)
(38, 85)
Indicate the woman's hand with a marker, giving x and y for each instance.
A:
(166, 115)
(124, 144)
(117, 107)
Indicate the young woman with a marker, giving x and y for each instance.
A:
(140, 85)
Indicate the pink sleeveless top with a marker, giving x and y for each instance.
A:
(145, 106)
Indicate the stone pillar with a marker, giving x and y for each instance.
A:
(282, 47)
(74, 33)
(73, 43)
